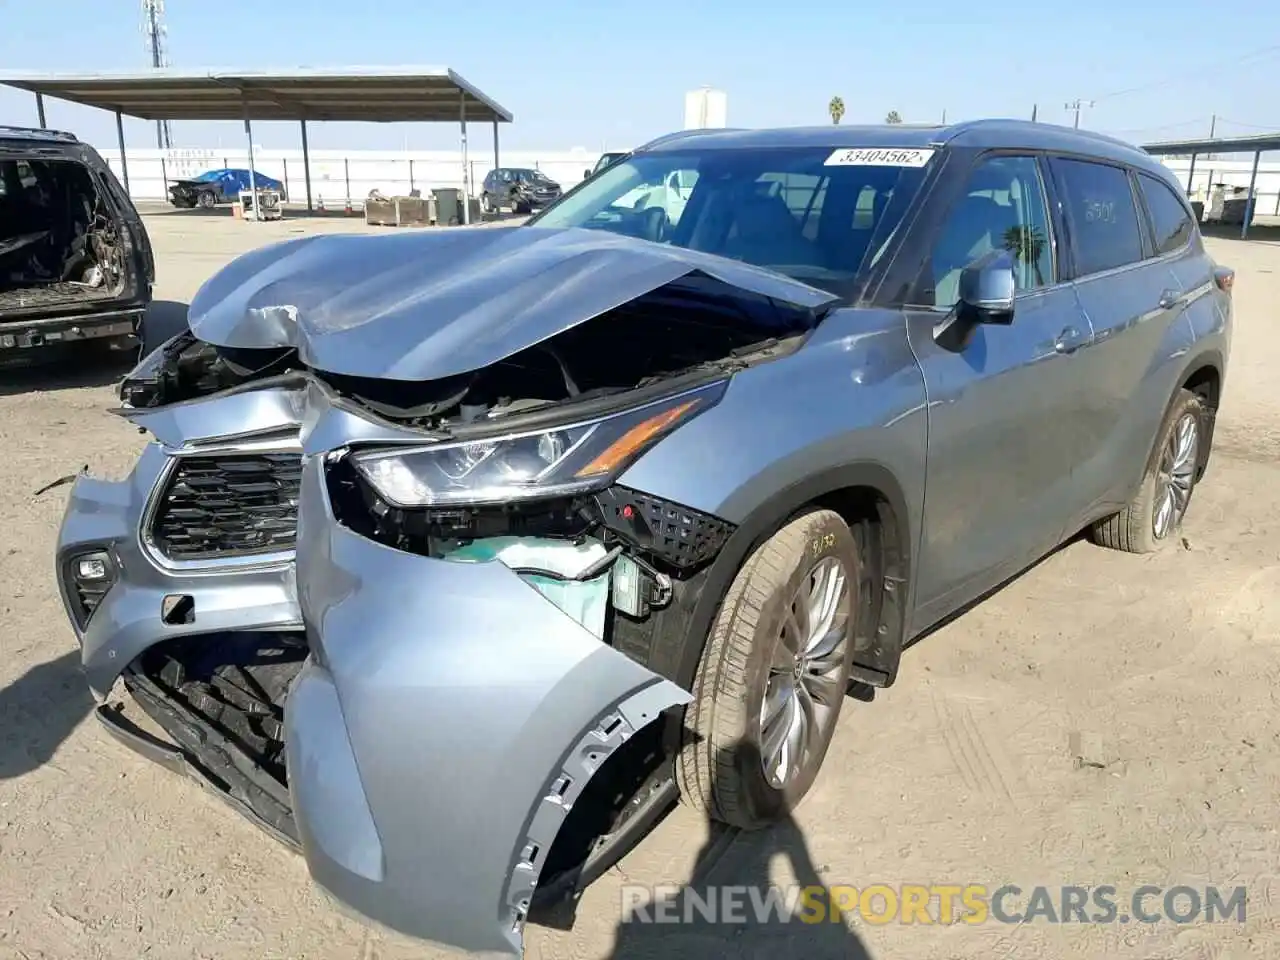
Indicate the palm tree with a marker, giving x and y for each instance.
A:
(1026, 244)
(893, 116)
(836, 109)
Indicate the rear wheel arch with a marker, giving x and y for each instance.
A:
(1203, 377)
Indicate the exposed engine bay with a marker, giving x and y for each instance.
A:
(59, 240)
(690, 327)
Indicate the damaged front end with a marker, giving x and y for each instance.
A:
(403, 624)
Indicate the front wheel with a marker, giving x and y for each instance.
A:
(207, 200)
(1153, 518)
(773, 676)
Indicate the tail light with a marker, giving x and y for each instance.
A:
(1225, 278)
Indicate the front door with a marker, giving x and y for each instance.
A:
(1002, 401)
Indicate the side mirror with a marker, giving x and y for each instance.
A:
(987, 288)
(586, 174)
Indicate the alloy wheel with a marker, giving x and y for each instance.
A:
(1176, 476)
(803, 690)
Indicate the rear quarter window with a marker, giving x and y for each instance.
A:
(1103, 216)
(1171, 221)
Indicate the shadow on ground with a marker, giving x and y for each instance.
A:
(164, 319)
(38, 711)
(731, 883)
(66, 366)
(730, 908)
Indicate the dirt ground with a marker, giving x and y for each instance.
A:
(1105, 719)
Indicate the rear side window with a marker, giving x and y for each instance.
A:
(1170, 219)
(1103, 216)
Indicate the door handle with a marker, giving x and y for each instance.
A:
(1168, 299)
(1069, 341)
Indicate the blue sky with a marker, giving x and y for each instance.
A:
(578, 73)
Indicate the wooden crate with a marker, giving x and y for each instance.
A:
(397, 212)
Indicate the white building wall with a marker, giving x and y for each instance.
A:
(1234, 172)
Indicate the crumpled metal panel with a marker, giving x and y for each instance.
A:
(430, 304)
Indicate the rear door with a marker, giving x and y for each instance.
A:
(1004, 401)
(1131, 296)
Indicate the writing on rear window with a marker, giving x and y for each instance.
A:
(880, 157)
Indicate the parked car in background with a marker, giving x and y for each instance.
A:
(75, 260)
(606, 159)
(518, 189)
(219, 186)
(459, 555)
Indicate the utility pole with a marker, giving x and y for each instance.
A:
(154, 28)
(1076, 105)
(1035, 109)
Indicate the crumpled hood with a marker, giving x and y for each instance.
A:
(427, 304)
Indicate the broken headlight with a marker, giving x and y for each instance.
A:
(554, 462)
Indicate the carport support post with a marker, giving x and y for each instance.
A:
(1191, 175)
(253, 171)
(124, 162)
(466, 163)
(40, 109)
(496, 164)
(1248, 206)
(306, 166)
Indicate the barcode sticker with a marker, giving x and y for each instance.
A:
(880, 157)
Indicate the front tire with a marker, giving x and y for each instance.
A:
(1153, 518)
(207, 200)
(773, 676)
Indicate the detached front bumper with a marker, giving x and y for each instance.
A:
(437, 737)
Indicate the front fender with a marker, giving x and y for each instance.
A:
(451, 718)
(848, 410)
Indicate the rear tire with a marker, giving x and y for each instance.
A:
(1153, 518)
(730, 767)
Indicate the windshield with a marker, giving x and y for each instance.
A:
(815, 214)
(530, 175)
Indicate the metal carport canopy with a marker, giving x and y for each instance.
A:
(365, 94)
(1256, 144)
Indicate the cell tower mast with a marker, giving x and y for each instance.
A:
(156, 32)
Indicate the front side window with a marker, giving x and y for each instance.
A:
(1003, 208)
(1170, 220)
(810, 213)
(1104, 221)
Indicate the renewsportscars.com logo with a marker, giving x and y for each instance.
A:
(909, 903)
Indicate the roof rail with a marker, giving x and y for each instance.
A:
(37, 133)
(682, 134)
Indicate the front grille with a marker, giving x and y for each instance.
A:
(228, 505)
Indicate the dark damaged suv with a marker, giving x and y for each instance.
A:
(458, 555)
(75, 260)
